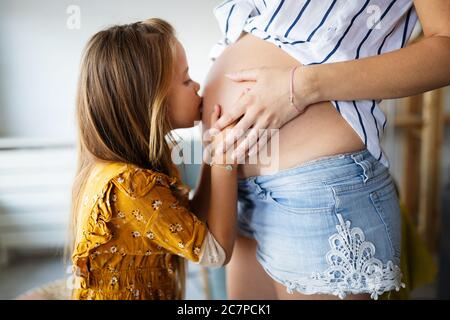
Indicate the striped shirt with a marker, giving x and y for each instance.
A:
(316, 32)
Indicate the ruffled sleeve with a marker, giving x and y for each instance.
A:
(92, 231)
(162, 219)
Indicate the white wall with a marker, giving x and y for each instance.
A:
(40, 55)
(39, 59)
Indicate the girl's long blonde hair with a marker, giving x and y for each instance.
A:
(121, 105)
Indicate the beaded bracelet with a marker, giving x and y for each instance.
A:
(227, 167)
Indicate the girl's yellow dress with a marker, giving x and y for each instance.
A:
(131, 233)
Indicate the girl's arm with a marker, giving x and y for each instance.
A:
(215, 200)
(200, 201)
(221, 217)
(417, 68)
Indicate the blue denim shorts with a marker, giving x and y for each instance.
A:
(329, 226)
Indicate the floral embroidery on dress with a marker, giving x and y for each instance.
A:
(114, 280)
(95, 254)
(150, 235)
(138, 215)
(121, 215)
(197, 250)
(156, 204)
(175, 228)
(174, 205)
(352, 268)
(135, 234)
(148, 252)
(113, 249)
(196, 220)
(181, 245)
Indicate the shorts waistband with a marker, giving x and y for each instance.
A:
(324, 169)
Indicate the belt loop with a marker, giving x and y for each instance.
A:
(365, 164)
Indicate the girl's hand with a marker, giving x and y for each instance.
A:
(213, 137)
(265, 104)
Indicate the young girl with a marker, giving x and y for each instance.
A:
(132, 227)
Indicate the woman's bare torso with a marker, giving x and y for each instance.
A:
(319, 132)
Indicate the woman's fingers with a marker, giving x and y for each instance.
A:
(250, 140)
(228, 118)
(255, 141)
(263, 138)
(238, 131)
(244, 75)
(215, 114)
(235, 113)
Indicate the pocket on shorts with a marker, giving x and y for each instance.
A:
(302, 198)
(387, 206)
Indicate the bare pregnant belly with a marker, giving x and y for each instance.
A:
(319, 132)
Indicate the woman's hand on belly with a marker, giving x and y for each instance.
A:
(266, 104)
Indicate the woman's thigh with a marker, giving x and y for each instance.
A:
(246, 279)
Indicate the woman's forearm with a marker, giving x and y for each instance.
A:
(417, 68)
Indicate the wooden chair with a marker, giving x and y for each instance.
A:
(422, 119)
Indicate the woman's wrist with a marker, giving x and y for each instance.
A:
(307, 89)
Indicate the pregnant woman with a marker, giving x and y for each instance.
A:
(323, 220)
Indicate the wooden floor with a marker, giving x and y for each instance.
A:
(26, 272)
